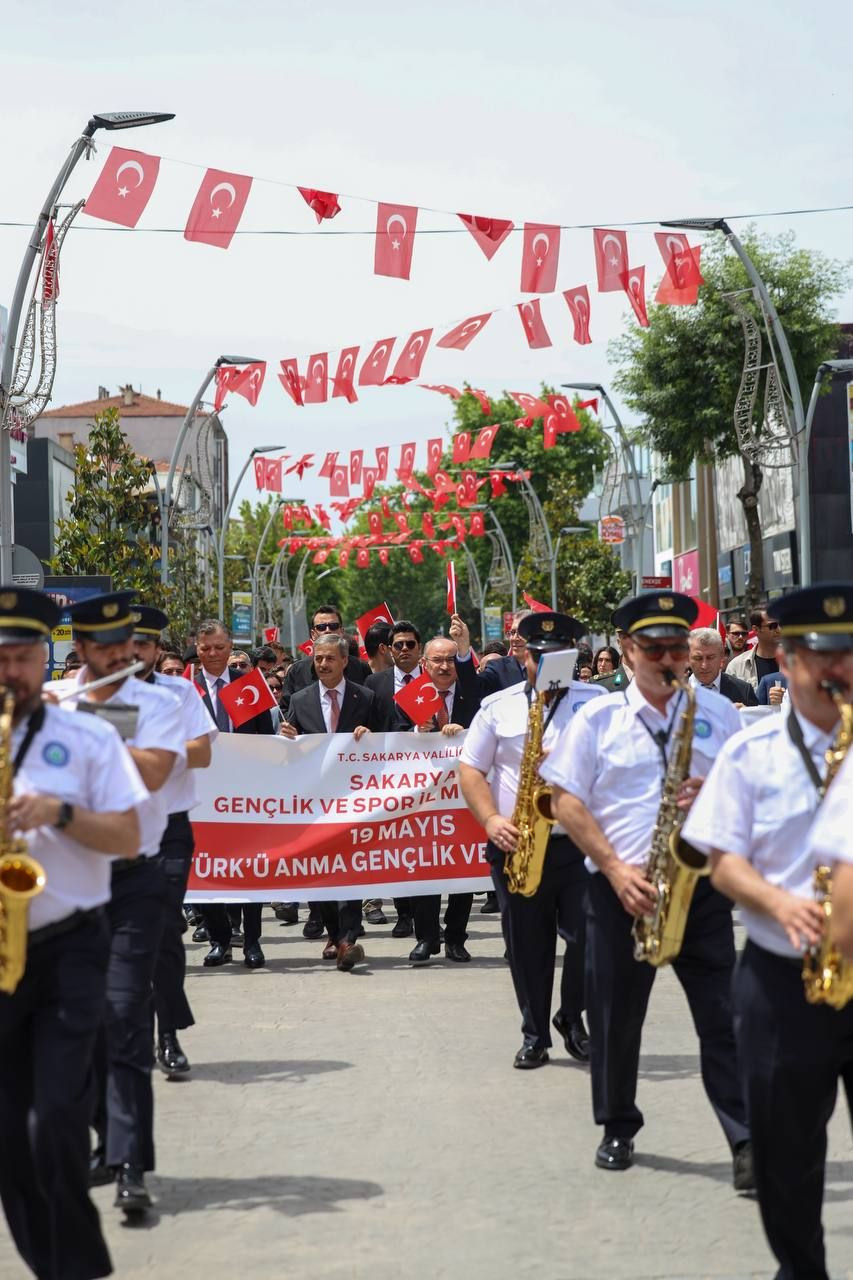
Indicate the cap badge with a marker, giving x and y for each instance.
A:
(110, 610)
(548, 624)
(666, 602)
(8, 599)
(834, 606)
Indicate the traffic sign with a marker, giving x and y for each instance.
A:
(649, 584)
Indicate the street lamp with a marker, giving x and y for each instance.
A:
(828, 367)
(109, 120)
(264, 448)
(503, 541)
(568, 529)
(176, 453)
(534, 508)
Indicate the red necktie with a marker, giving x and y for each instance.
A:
(335, 711)
(441, 716)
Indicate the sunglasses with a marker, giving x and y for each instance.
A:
(737, 635)
(239, 666)
(657, 651)
(771, 626)
(399, 645)
(327, 626)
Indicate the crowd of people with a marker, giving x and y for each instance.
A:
(102, 802)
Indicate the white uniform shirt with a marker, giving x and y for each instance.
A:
(84, 761)
(179, 789)
(159, 726)
(326, 702)
(831, 838)
(494, 744)
(759, 802)
(609, 760)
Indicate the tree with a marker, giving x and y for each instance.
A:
(683, 372)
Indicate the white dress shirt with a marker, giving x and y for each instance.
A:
(759, 803)
(831, 838)
(607, 758)
(179, 789)
(715, 683)
(326, 702)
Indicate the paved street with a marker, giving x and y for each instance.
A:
(370, 1125)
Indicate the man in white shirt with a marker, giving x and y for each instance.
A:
(832, 839)
(74, 807)
(754, 817)
(608, 771)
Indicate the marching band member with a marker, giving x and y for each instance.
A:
(76, 792)
(607, 771)
(831, 839)
(489, 772)
(753, 816)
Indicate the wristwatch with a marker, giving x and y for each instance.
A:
(66, 813)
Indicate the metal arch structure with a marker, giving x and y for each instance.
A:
(767, 439)
(196, 473)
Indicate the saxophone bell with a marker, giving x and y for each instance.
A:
(21, 877)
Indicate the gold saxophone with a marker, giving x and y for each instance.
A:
(21, 877)
(532, 814)
(673, 865)
(827, 977)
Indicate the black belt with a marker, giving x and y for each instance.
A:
(762, 953)
(121, 866)
(77, 918)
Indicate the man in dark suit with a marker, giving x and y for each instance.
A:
(332, 704)
(213, 645)
(504, 672)
(327, 620)
(706, 661)
(448, 663)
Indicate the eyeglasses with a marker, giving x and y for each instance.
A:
(399, 645)
(654, 652)
(440, 662)
(327, 626)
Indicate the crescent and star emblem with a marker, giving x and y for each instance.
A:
(135, 167)
(231, 192)
(546, 241)
(396, 217)
(616, 259)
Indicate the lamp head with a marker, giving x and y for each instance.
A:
(112, 120)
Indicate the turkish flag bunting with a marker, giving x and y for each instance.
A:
(260, 465)
(247, 697)
(382, 462)
(368, 479)
(567, 418)
(324, 203)
(226, 376)
(550, 431)
(374, 522)
(477, 525)
(611, 259)
(407, 459)
(482, 446)
(680, 259)
(362, 558)
(498, 487)
(386, 508)
(272, 478)
(321, 556)
(305, 463)
(342, 384)
(124, 187)
(395, 240)
(589, 404)
(673, 295)
(249, 381)
(356, 459)
(489, 233)
(464, 333)
(339, 482)
(415, 554)
(458, 523)
(428, 525)
(462, 497)
(435, 448)
(524, 422)
(419, 699)
(373, 370)
(443, 481)
(539, 258)
(481, 398)
(287, 519)
(461, 446)
(531, 405)
(218, 208)
(328, 463)
(343, 557)
(440, 547)
(410, 359)
(577, 300)
(383, 555)
(317, 379)
(379, 613)
(444, 389)
(402, 521)
(290, 380)
(472, 484)
(536, 605)
(533, 324)
(635, 287)
(323, 517)
(307, 647)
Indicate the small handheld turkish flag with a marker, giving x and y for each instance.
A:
(379, 613)
(577, 300)
(611, 259)
(373, 370)
(489, 233)
(343, 380)
(539, 258)
(420, 699)
(395, 240)
(316, 381)
(459, 337)
(451, 585)
(124, 187)
(247, 697)
(533, 324)
(218, 208)
(536, 605)
(410, 359)
(307, 647)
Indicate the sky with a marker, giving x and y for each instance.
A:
(577, 114)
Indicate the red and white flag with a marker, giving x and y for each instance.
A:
(226, 377)
(482, 446)
(356, 465)
(567, 419)
(681, 260)
(343, 380)
(540, 257)
(481, 398)
(395, 240)
(307, 647)
(373, 370)
(272, 475)
(453, 392)
(383, 555)
(435, 448)
(459, 337)
(369, 476)
(407, 459)
(324, 203)
(410, 359)
(382, 462)
(635, 287)
(328, 463)
(428, 525)
(577, 300)
(247, 697)
(536, 605)
(339, 482)
(290, 380)
(415, 554)
(260, 466)
(461, 446)
(320, 557)
(489, 233)
(477, 525)
(317, 379)
(611, 259)
(374, 523)
(533, 325)
(419, 699)
(451, 582)
(218, 208)
(533, 406)
(124, 187)
(379, 613)
(362, 558)
(249, 381)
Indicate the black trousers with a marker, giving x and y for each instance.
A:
(47, 1038)
(124, 1109)
(170, 1002)
(530, 929)
(404, 908)
(791, 1055)
(617, 996)
(427, 910)
(342, 919)
(218, 921)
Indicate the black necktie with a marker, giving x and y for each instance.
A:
(223, 720)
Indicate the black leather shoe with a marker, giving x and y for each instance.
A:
(744, 1178)
(286, 912)
(490, 906)
(313, 929)
(218, 954)
(131, 1194)
(615, 1153)
(530, 1056)
(171, 1059)
(100, 1173)
(236, 937)
(421, 953)
(404, 928)
(193, 916)
(253, 957)
(375, 916)
(201, 934)
(457, 951)
(575, 1037)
